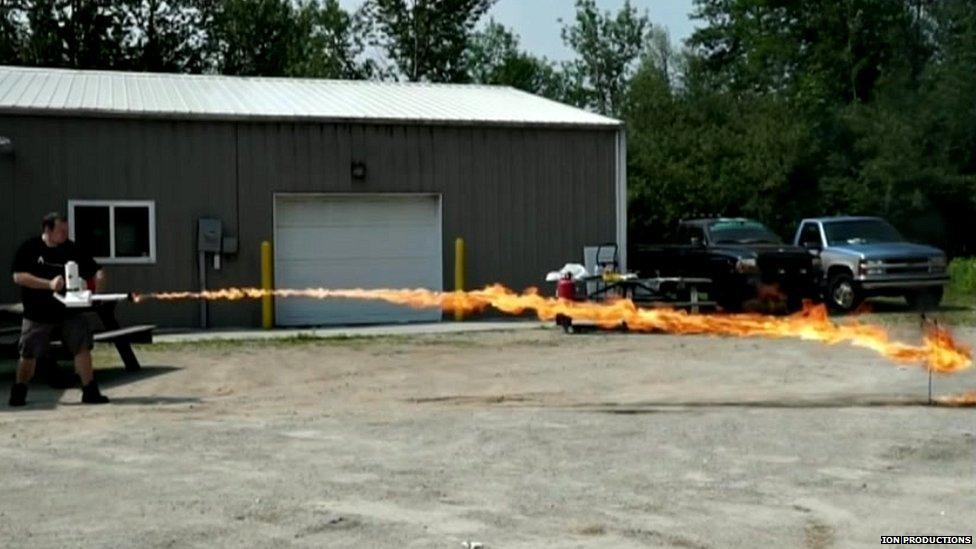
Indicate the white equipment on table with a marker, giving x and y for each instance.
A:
(574, 270)
(77, 296)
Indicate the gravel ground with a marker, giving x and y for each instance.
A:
(514, 439)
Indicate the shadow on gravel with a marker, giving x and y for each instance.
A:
(44, 397)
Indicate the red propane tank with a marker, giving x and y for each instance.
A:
(566, 288)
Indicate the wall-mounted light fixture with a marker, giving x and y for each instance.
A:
(359, 171)
(6, 145)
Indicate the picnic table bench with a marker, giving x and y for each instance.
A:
(670, 292)
(110, 331)
(654, 291)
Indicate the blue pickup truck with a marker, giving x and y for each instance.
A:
(866, 256)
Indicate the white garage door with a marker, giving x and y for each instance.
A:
(356, 241)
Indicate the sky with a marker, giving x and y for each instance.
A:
(537, 21)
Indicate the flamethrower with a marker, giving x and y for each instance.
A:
(77, 295)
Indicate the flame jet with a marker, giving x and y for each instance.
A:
(938, 352)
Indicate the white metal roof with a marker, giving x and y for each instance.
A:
(149, 95)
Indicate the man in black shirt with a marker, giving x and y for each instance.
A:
(38, 269)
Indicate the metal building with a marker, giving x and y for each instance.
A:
(358, 184)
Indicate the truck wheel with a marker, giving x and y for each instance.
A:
(924, 300)
(843, 295)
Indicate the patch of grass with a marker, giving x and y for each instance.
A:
(458, 340)
(960, 296)
(962, 271)
(818, 535)
(301, 339)
(593, 530)
(960, 305)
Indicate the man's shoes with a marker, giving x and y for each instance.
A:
(91, 395)
(18, 394)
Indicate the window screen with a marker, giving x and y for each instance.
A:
(131, 231)
(92, 233)
(114, 231)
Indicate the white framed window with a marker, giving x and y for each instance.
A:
(115, 231)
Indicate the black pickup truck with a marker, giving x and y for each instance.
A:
(744, 259)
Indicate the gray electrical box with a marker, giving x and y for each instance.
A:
(230, 245)
(209, 235)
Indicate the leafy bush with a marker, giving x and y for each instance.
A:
(963, 273)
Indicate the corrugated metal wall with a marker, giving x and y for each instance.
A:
(7, 209)
(525, 200)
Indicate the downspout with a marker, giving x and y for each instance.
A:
(621, 196)
(237, 183)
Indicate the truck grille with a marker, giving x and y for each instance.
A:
(906, 265)
(782, 268)
(906, 260)
(907, 270)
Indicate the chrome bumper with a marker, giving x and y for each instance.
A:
(907, 283)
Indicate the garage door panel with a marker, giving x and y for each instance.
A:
(346, 242)
(358, 211)
(382, 273)
(309, 312)
(389, 241)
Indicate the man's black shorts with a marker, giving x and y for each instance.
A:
(75, 334)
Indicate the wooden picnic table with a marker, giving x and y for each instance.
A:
(110, 332)
(651, 290)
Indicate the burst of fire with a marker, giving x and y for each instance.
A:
(963, 400)
(939, 351)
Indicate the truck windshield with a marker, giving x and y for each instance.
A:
(860, 231)
(741, 232)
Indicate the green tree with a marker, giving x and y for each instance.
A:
(608, 49)
(818, 51)
(918, 138)
(12, 32)
(313, 38)
(43, 45)
(780, 110)
(329, 43)
(163, 36)
(699, 152)
(950, 85)
(252, 37)
(81, 34)
(426, 39)
(494, 57)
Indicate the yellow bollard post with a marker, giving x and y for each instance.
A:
(459, 273)
(267, 283)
